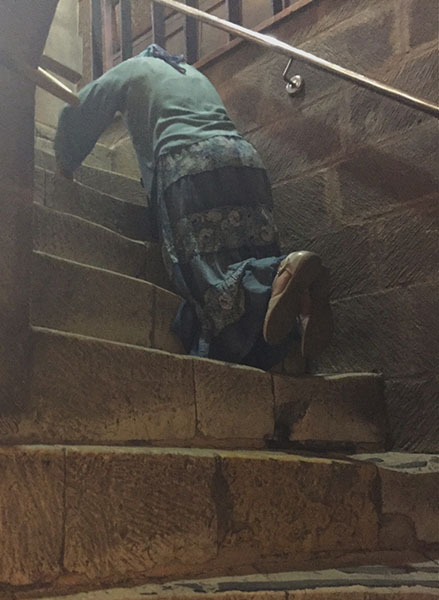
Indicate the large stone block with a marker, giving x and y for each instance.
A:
(85, 390)
(348, 253)
(233, 402)
(307, 139)
(295, 507)
(374, 117)
(77, 239)
(424, 25)
(68, 296)
(392, 332)
(128, 219)
(414, 498)
(341, 409)
(378, 177)
(407, 245)
(15, 254)
(301, 210)
(107, 182)
(363, 43)
(413, 409)
(31, 508)
(138, 512)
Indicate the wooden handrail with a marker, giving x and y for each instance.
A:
(54, 66)
(40, 77)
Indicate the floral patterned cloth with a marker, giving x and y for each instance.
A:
(214, 212)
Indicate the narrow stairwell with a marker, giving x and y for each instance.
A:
(145, 463)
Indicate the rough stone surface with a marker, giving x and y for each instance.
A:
(345, 408)
(31, 505)
(300, 141)
(233, 401)
(75, 298)
(23, 32)
(86, 390)
(165, 308)
(402, 238)
(371, 31)
(156, 516)
(423, 21)
(77, 239)
(295, 507)
(301, 210)
(415, 497)
(375, 117)
(418, 399)
(123, 159)
(100, 157)
(414, 316)
(128, 219)
(107, 182)
(351, 272)
(380, 176)
(339, 157)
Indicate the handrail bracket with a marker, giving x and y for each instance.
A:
(296, 83)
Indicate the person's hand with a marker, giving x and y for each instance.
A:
(64, 189)
(61, 171)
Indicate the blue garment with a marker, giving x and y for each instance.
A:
(219, 245)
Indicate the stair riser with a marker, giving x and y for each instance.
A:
(99, 158)
(92, 392)
(128, 219)
(107, 182)
(76, 239)
(120, 515)
(77, 299)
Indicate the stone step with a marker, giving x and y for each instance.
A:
(107, 515)
(369, 582)
(107, 182)
(131, 220)
(100, 157)
(76, 298)
(89, 391)
(74, 238)
(410, 497)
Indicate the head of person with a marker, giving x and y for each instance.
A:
(156, 51)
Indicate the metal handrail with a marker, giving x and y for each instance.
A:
(292, 52)
(40, 77)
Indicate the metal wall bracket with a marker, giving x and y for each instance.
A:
(296, 83)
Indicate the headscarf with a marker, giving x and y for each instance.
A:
(174, 60)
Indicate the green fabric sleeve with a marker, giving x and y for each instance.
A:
(79, 127)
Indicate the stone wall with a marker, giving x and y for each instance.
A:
(64, 45)
(23, 31)
(355, 178)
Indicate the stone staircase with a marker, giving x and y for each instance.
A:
(134, 462)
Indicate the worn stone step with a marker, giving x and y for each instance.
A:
(107, 182)
(106, 514)
(90, 391)
(100, 157)
(419, 581)
(410, 497)
(131, 220)
(77, 239)
(69, 296)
